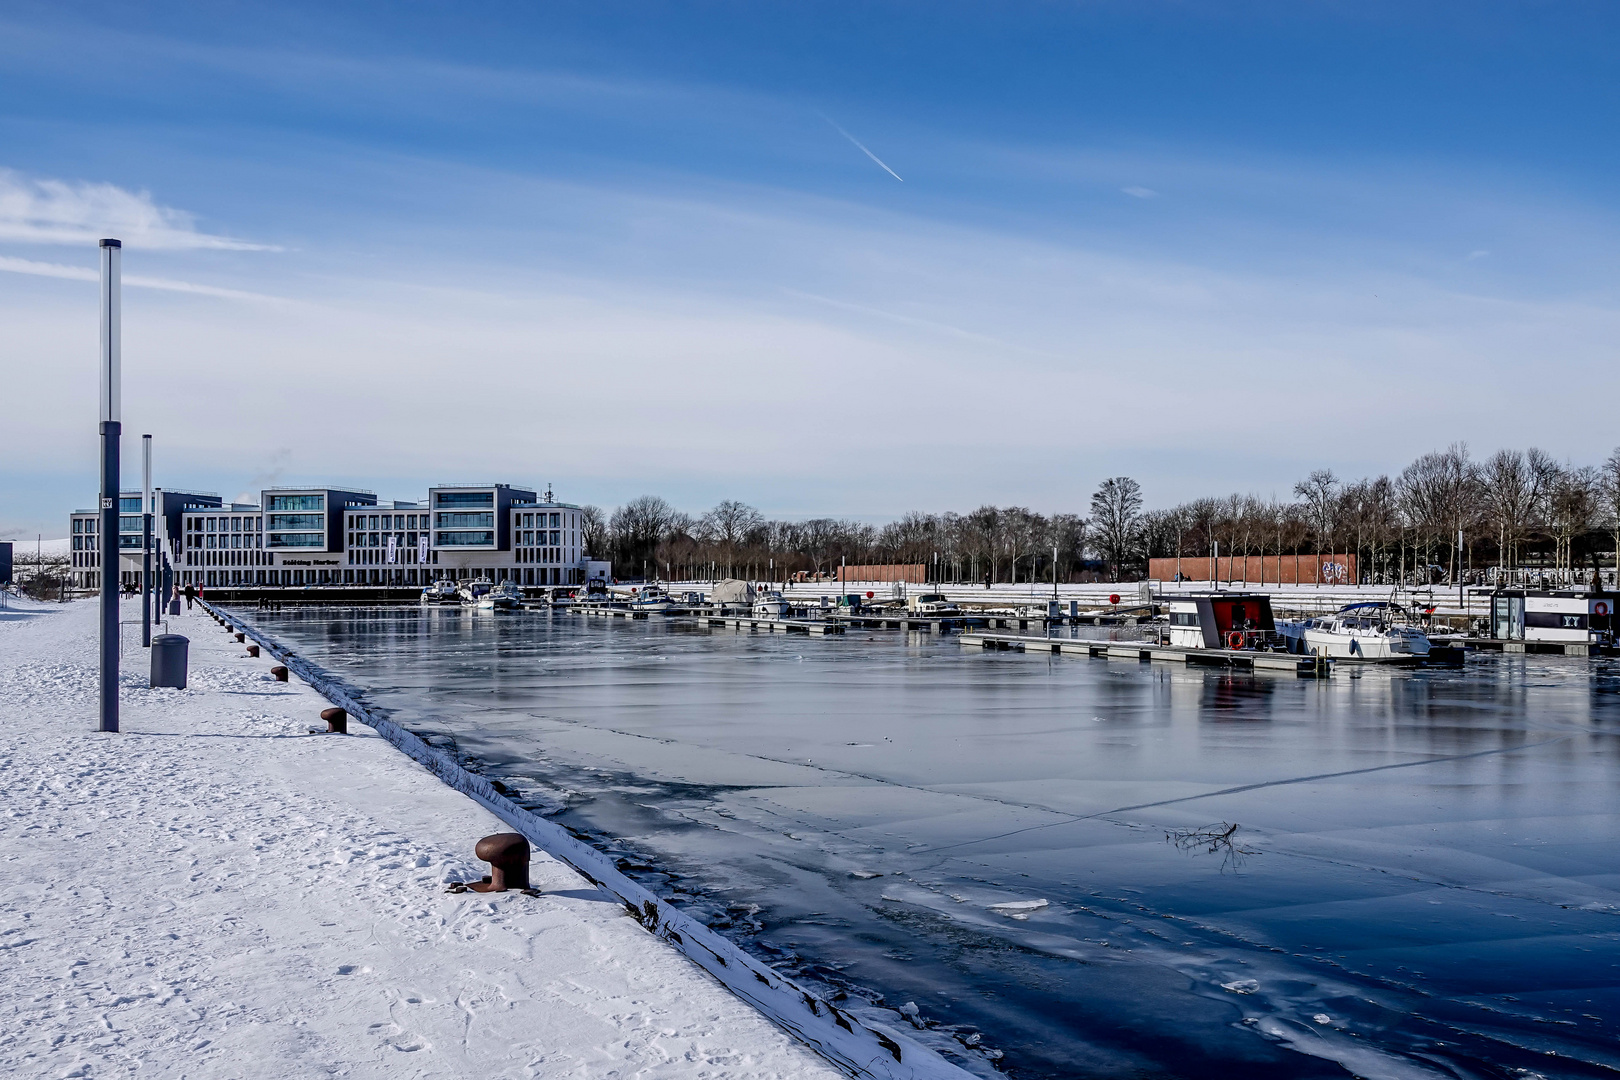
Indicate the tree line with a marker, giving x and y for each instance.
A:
(1515, 511)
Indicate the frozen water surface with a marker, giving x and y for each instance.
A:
(1034, 855)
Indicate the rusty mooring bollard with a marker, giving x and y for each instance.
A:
(241, 636)
(253, 650)
(279, 672)
(508, 856)
(336, 720)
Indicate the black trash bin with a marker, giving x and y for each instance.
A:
(169, 660)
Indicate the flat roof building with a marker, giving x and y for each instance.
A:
(335, 537)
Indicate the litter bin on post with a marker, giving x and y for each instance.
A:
(169, 660)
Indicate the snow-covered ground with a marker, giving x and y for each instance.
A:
(47, 547)
(215, 893)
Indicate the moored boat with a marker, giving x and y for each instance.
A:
(503, 597)
(1374, 630)
(771, 605)
(651, 598)
(441, 592)
(1232, 621)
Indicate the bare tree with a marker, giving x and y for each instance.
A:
(1609, 494)
(1574, 501)
(728, 526)
(1508, 491)
(593, 531)
(637, 528)
(1116, 518)
(1320, 493)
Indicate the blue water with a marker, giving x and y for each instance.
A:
(1424, 879)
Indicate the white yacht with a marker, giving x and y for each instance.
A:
(503, 597)
(1376, 630)
(771, 605)
(932, 603)
(651, 598)
(441, 592)
(471, 591)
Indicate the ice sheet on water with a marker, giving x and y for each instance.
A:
(983, 780)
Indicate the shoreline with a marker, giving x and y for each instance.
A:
(854, 1044)
(216, 892)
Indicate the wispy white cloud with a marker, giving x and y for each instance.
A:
(1138, 192)
(84, 273)
(47, 211)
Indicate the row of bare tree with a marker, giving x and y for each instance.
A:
(647, 536)
(1444, 515)
(1511, 510)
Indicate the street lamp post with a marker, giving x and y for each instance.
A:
(146, 541)
(111, 429)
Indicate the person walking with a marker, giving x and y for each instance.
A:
(190, 594)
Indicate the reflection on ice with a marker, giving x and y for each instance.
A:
(977, 841)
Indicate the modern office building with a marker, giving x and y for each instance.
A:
(299, 537)
(168, 510)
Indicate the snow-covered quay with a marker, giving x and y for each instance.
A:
(214, 892)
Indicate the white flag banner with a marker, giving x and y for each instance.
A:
(421, 548)
(393, 548)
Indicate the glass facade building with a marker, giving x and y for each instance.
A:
(328, 537)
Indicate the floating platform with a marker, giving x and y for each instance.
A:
(786, 626)
(612, 612)
(1304, 666)
(1555, 648)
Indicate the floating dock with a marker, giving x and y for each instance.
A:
(1515, 645)
(1141, 651)
(786, 626)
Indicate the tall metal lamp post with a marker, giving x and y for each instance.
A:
(110, 431)
(146, 541)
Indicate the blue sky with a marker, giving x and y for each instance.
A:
(635, 247)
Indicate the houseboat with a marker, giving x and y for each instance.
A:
(1237, 621)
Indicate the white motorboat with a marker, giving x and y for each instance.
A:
(771, 605)
(471, 591)
(441, 592)
(932, 603)
(651, 598)
(503, 597)
(1375, 630)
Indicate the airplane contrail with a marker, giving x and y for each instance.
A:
(862, 147)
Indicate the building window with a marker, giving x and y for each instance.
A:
(465, 538)
(464, 499)
(297, 521)
(466, 521)
(294, 503)
(296, 540)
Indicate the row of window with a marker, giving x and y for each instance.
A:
(210, 542)
(386, 522)
(296, 503)
(239, 523)
(377, 540)
(227, 558)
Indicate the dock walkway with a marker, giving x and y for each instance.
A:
(1304, 666)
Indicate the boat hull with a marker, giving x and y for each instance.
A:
(1344, 646)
